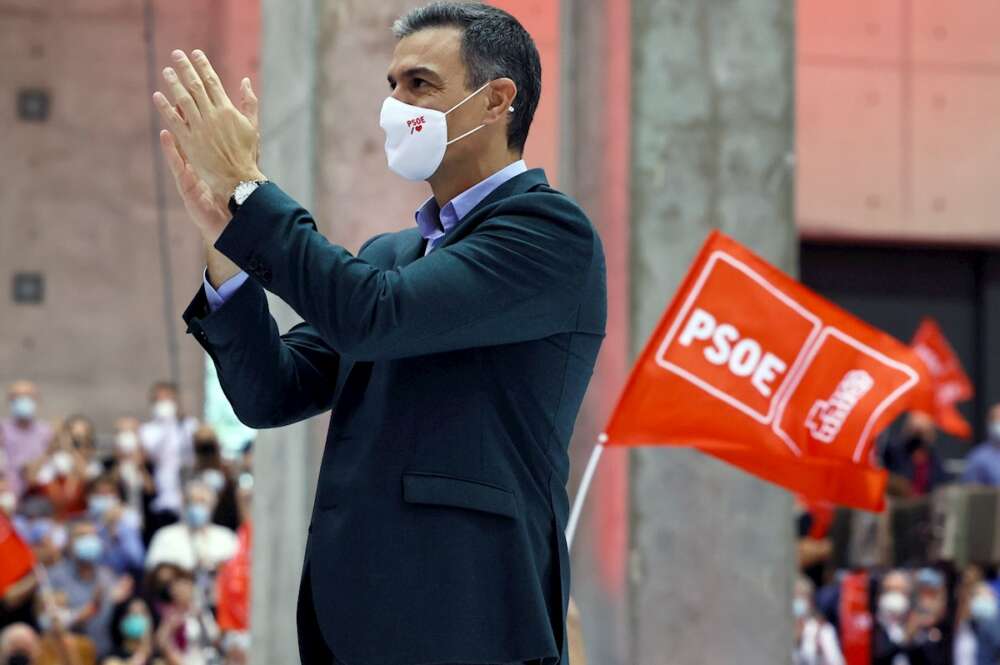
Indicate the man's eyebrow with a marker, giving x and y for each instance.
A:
(414, 72)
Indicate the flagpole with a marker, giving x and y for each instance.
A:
(581, 493)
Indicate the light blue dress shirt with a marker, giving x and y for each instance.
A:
(434, 224)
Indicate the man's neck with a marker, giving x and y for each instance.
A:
(449, 183)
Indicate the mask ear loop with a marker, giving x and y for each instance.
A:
(510, 109)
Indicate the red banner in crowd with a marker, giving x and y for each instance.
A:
(17, 557)
(233, 585)
(949, 384)
(753, 368)
(855, 619)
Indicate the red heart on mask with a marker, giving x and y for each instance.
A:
(419, 127)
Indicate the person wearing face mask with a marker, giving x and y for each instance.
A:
(815, 639)
(912, 460)
(118, 527)
(983, 465)
(895, 625)
(133, 634)
(498, 290)
(194, 543)
(24, 437)
(977, 640)
(91, 588)
(61, 478)
(133, 475)
(167, 441)
(210, 469)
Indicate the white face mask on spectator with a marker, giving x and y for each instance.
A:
(164, 409)
(126, 442)
(995, 431)
(893, 605)
(62, 463)
(800, 608)
(8, 502)
(983, 607)
(23, 407)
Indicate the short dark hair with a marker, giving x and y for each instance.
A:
(494, 45)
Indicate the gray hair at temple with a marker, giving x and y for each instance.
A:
(494, 45)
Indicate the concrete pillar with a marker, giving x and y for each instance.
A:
(711, 557)
(286, 459)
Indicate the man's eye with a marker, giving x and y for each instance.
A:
(418, 83)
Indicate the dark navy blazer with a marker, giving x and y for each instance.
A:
(454, 379)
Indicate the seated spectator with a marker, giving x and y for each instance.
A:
(912, 460)
(134, 475)
(19, 645)
(185, 628)
(893, 628)
(209, 467)
(25, 437)
(118, 527)
(983, 466)
(92, 589)
(84, 441)
(59, 644)
(133, 635)
(60, 477)
(195, 544)
(815, 639)
(977, 640)
(167, 441)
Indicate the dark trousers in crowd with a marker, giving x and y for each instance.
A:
(313, 649)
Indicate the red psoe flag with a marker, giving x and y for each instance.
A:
(949, 384)
(753, 368)
(16, 558)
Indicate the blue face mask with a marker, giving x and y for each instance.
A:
(22, 407)
(87, 548)
(197, 514)
(134, 626)
(99, 504)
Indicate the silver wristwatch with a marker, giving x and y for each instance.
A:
(245, 189)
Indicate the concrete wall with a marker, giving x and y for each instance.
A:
(711, 548)
(78, 201)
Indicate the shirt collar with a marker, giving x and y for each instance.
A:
(435, 222)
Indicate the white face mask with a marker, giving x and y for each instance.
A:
(164, 409)
(127, 442)
(62, 463)
(995, 431)
(23, 407)
(8, 502)
(983, 607)
(416, 137)
(893, 605)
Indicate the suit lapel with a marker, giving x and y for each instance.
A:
(411, 243)
(517, 185)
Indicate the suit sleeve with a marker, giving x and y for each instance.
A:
(514, 278)
(270, 379)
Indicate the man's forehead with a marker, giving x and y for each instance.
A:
(434, 50)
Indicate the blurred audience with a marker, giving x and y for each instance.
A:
(24, 437)
(816, 640)
(983, 465)
(913, 463)
(126, 537)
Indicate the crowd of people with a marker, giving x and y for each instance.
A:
(131, 538)
(934, 614)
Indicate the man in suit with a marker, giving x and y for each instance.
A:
(454, 354)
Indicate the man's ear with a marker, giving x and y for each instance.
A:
(500, 102)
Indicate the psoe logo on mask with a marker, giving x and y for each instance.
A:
(416, 124)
